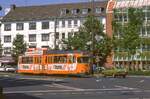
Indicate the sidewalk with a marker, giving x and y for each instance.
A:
(140, 76)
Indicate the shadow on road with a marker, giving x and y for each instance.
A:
(18, 96)
(14, 82)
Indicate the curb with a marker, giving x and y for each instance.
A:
(136, 76)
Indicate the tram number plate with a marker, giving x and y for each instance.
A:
(57, 67)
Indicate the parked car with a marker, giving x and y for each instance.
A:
(2, 68)
(114, 72)
(9, 68)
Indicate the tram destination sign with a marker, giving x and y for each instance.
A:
(34, 52)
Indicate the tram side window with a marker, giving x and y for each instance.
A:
(49, 59)
(60, 59)
(27, 60)
(83, 60)
(72, 59)
(37, 60)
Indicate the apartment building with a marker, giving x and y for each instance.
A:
(118, 10)
(42, 25)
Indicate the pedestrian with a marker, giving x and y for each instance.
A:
(94, 68)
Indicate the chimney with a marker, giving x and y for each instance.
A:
(13, 6)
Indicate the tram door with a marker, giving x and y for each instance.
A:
(38, 66)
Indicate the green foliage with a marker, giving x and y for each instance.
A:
(19, 47)
(82, 40)
(129, 39)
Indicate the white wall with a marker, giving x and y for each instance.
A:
(38, 32)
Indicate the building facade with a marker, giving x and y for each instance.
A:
(118, 10)
(45, 26)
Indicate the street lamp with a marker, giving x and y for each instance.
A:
(93, 37)
(0, 8)
(55, 27)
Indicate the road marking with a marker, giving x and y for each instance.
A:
(49, 85)
(79, 90)
(141, 81)
(47, 79)
(38, 94)
(124, 87)
(6, 75)
(98, 80)
(66, 87)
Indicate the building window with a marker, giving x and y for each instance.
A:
(70, 34)
(57, 35)
(19, 26)
(63, 35)
(75, 23)
(75, 11)
(45, 37)
(32, 37)
(45, 47)
(32, 46)
(45, 25)
(99, 10)
(82, 21)
(63, 23)
(7, 39)
(143, 31)
(57, 23)
(7, 50)
(148, 15)
(148, 30)
(64, 11)
(69, 23)
(7, 27)
(32, 26)
(84, 11)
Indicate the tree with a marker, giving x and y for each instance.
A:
(129, 40)
(82, 40)
(19, 47)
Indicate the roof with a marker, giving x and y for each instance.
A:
(65, 52)
(44, 12)
(110, 6)
(131, 3)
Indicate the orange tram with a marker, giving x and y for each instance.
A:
(43, 61)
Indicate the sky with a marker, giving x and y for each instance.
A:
(7, 3)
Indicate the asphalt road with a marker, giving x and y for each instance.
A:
(17, 86)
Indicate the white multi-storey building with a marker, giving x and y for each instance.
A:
(42, 25)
